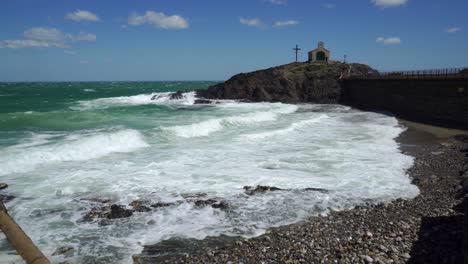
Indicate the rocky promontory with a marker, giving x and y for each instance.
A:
(298, 82)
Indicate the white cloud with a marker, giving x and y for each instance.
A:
(276, 2)
(30, 43)
(82, 15)
(44, 33)
(388, 41)
(453, 29)
(159, 20)
(328, 5)
(286, 23)
(253, 22)
(389, 3)
(82, 36)
(44, 37)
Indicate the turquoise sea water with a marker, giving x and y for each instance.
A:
(62, 144)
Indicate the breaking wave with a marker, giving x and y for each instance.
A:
(23, 158)
(141, 99)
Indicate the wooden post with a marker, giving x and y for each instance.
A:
(19, 240)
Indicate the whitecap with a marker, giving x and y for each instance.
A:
(23, 158)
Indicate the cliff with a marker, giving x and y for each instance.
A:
(290, 83)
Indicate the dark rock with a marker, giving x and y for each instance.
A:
(211, 202)
(290, 83)
(118, 211)
(3, 185)
(193, 195)
(203, 101)
(156, 96)
(139, 206)
(110, 212)
(316, 190)
(4, 198)
(177, 95)
(249, 190)
(162, 204)
(66, 251)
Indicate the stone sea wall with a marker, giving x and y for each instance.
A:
(432, 101)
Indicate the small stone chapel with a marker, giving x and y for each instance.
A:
(320, 54)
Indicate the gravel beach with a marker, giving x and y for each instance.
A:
(427, 229)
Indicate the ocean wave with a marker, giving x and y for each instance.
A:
(22, 158)
(208, 127)
(289, 129)
(141, 99)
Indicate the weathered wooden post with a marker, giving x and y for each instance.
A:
(19, 240)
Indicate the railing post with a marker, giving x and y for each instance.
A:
(19, 240)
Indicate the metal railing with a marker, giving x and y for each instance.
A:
(448, 73)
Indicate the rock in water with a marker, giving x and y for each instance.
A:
(110, 212)
(66, 251)
(290, 83)
(3, 185)
(249, 190)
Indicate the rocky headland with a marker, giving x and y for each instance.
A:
(298, 82)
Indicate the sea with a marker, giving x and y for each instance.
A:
(63, 145)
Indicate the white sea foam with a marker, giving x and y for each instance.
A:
(141, 99)
(24, 158)
(207, 127)
(89, 90)
(289, 129)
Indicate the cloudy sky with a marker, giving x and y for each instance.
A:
(49, 40)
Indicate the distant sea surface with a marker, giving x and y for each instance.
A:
(62, 144)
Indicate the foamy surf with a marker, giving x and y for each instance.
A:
(26, 157)
(207, 127)
(141, 99)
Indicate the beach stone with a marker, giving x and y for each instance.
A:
(3, 185)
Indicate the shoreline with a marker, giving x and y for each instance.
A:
(426, 229)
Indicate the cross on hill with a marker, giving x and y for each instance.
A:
(297, 49)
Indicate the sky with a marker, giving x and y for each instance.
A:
(151, 40)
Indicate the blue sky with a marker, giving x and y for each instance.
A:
(85, 40)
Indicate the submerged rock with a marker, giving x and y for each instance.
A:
(6, 198)
(66, 251)
(162, 204)
(249, 190)
(203, 101)
(316, 190)
(140, 206)
(110, 212)
(211, 202)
